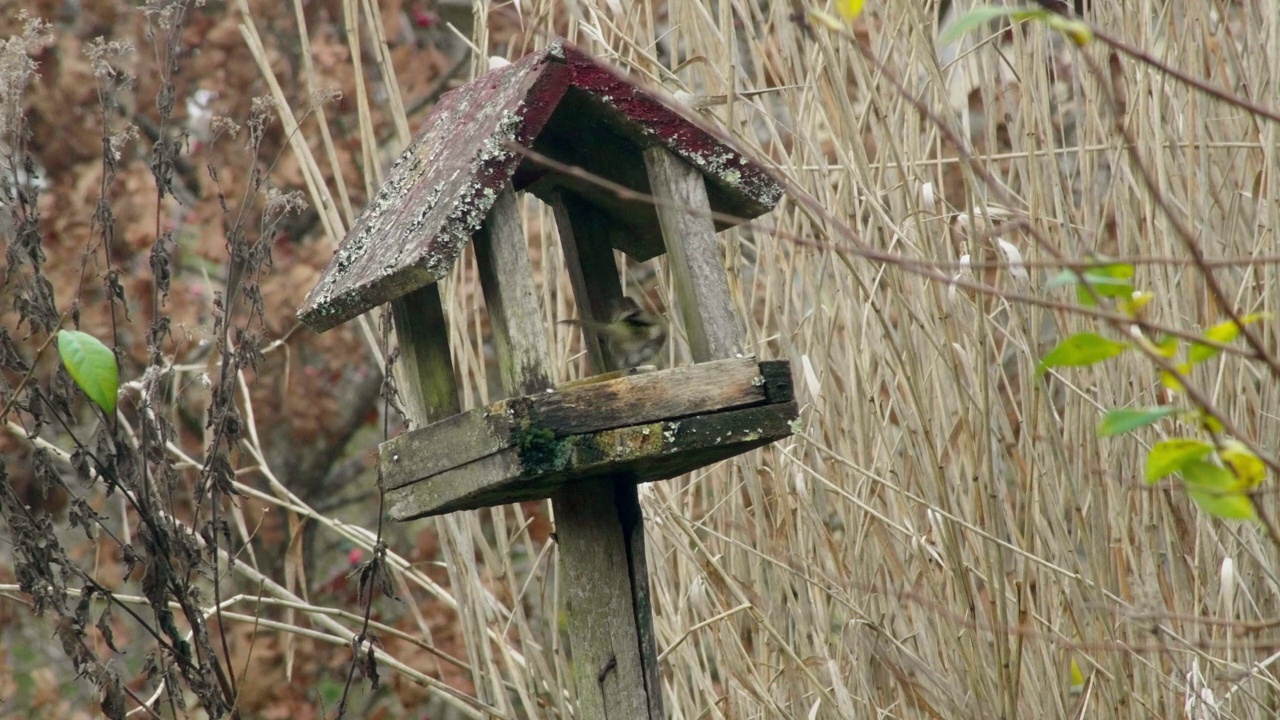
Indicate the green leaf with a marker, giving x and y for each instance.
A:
(1217, 491)
(1126, 419)
(984, 14)
(1082, 349)
(1113, 280)
(92, 365)
(1065, 277)
(1224, 332)
(1232, 506)
(1169, 456)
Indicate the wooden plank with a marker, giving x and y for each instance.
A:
(438, 191)
(643, 453)
(642, 398)
(608, 668)
(593, 272)
(428, 389)
(630, 400)
(606, 586)
(429, 392)
(506, 276)
(627, 502)
(693, 252)
(444, 445)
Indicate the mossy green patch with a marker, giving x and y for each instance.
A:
(540, 450)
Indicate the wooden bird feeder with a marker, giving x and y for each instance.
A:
(585, 445)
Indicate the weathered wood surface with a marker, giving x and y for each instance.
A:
(428, 392)
(609, 617)
(440, 190)
(630, 400)
(428, 389)
(506, 277)
(593, 272)
(607, 667)
(641, 453)
(693, 253)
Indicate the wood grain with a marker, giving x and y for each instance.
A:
(693, 253)
(428, 389)
(506, 276)
(631, 400)
(642, 453)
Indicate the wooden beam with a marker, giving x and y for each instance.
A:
(693, 252)
(506, 277)
(615, 661)
(608, 666)
(631, 400)
(640, 453)
(428, 389)
(593, 271)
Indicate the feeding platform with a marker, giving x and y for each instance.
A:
(645, 427)
(626, 169)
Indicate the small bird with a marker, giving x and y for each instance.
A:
(632, 336)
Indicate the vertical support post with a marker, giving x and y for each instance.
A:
(593, 272)
(599, 523)
(428, 388)
(429, 392)
(693, 252)
(506, 277)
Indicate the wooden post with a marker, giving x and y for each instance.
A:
(599, 523)
(595, 550)
(506, 277)
(693, 251)
(429, 392)
(428, 388)
(593, 272)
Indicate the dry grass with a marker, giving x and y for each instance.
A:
(946, 533)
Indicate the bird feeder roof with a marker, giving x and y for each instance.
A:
(561, 103)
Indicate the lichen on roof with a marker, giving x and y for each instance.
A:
(442, 187)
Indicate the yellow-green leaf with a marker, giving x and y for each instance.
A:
(983, 14)
(1169, 456)
(1248, 468)
(1077, 31)
(1168, 346)
(1171, 381)
(850, 9)
(1207, 421)
(1136, 302)
(1077, 677)
(1126, 419)
(1082, 349)
(1224, 332)
(92, 365)
(1217, 491)
(1230, 506)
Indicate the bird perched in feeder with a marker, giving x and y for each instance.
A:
(633, 335)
